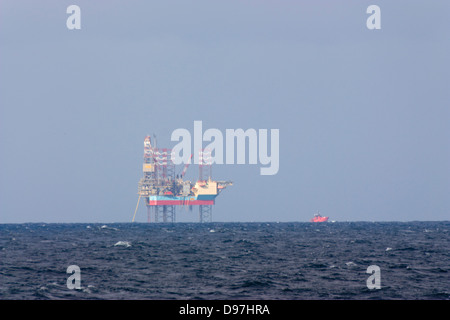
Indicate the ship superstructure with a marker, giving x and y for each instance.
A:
(163, 190)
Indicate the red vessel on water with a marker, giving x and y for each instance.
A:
(319, 218)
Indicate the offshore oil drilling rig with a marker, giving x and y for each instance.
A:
(164, 190)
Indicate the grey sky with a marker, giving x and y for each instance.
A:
(363, 114)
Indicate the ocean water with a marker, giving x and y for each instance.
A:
(257, 261)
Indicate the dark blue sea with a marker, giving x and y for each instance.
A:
(254, 261)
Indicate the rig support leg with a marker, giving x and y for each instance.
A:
(137, 205)
(205, 213)
(149, 213)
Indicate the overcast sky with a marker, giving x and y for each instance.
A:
(363, 114)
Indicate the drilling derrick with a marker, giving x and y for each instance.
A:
(163, 192)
